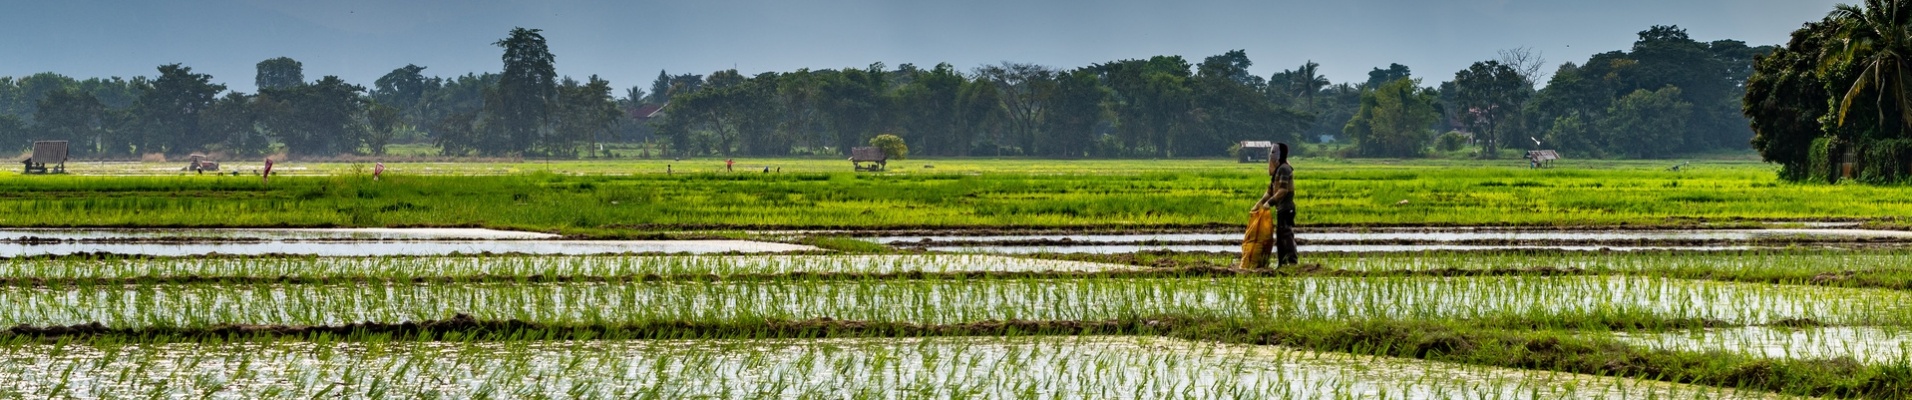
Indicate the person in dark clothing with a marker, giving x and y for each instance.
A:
(1281, 198)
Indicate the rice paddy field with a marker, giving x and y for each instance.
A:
(971, 279)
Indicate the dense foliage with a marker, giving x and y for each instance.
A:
(1833, 104)
(1615, 105)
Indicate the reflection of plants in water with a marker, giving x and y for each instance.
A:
(1065, 367)
(1510, 301)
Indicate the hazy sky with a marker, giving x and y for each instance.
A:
(627, 42)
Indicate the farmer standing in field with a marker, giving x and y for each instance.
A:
(1270, 230)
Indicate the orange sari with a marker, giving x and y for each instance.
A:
(1260, 240)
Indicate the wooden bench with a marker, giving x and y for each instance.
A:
(1541, 158)
(46, 152)
(868, 159)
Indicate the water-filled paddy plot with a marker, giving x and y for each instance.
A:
(1037, 367)
(1396, 240)
(348, 242)
(460, 313)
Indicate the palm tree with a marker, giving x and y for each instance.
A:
(1878, 41)
(1308, 81)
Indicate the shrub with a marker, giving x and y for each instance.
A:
(1450, 141)
(891, 145)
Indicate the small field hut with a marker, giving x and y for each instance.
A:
(46, 152)
(1253, 151)
(868, 158)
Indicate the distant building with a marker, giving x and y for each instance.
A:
(1254, 150)
(649, 111)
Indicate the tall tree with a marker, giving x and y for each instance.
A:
(525, 91)
(1394, 120)
(1488, 96)
(168, 111)
(586, 114)
(929, 102)
(1308, 81)
(320, 119)
(279, 73)
(1025, 89)
(403, 88)
(661, 88)
(235, 122)
(1876, 41)
(1787, 100)
(1077, 107)
(74, 116)
(1647, 124)
(1394, 72)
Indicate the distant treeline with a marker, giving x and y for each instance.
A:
(1668, 95)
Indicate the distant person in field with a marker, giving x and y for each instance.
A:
(729, 163)
(1271, 224)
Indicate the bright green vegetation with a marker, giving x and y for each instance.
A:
(1274, 336)
(1148, 194)
(1557, 302)
(1019, 367)
(1891, 269)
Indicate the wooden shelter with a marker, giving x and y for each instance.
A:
(46, 152)
(1541, 158)
(201, 164)
(1254, 151)
(868, 158)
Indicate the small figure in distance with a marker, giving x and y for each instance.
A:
(729, 163)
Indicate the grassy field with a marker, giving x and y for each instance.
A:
(868, 321)
(617, 198)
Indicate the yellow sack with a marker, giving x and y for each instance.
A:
(1260, 240)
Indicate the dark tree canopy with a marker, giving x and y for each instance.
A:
(279, 73)
(525, 92)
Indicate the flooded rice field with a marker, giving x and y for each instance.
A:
(345, 243)
(261, 234)
(1396, 240)
(953, 301)
(340, 248)
(405, 268)
(1435, 235)
(1868, 344)
(885, 368)
(1305, 249)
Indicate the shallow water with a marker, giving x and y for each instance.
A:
(1871, 344)
(403, 248)
(1403, 248)
(889, 368)
(269, 234)
(379, 268)
(1437, 235)
(937, 301)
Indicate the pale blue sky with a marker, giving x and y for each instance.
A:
(627, 42)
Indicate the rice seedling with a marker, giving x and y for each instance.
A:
(1584, 301)
(1019, 367)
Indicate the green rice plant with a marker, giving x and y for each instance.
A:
(1057, 367)
(1589, 302)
